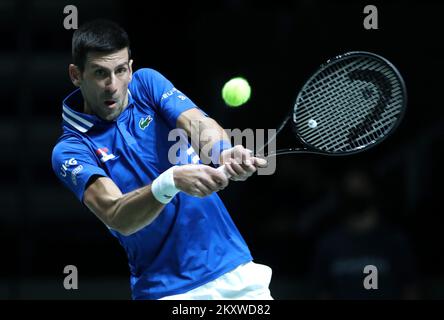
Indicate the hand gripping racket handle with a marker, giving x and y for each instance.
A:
(223, 168)
(224, 171)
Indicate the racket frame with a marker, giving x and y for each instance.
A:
(307, 148)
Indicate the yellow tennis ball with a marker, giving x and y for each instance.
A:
(236, 92)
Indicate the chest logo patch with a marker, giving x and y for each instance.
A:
(104, 154)
(145, 122)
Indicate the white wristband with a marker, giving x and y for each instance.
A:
(163, 187)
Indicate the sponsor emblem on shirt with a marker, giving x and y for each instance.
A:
(144, 122)
(66, 165)
(75, 172)
(104, 155)
(168, 93)
(171, 92)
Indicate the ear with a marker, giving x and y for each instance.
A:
(130, 64)
(75, 75)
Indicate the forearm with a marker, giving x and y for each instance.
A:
(125, 213)
(210, 133)
(139, 208)
(203, 131)
(209, 138)
(134, 210)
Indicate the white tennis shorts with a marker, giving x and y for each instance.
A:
(248, 281)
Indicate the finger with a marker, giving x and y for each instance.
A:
(238, 155)
(231, 172)
(241, 173)
(210, 183)
(259, 162)
(220, 178)
(201, 189)
(247, 158)
(247, 164)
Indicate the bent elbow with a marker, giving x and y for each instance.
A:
(124, 230)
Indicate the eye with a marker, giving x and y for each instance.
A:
(121, 70)
(99, 72)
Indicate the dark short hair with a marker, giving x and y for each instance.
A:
(102, 36)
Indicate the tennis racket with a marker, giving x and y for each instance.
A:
(350, 104)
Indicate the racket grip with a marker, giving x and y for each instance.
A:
(224, 171)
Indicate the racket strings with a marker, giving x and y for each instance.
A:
(332, 101)
(385, 89)
(350, 104)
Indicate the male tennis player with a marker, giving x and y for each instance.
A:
(113, 155)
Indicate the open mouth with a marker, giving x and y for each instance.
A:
(109, 103)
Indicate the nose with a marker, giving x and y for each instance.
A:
(110, 84)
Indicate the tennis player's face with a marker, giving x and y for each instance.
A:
(104, 83)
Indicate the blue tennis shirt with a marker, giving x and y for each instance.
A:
(193, 240)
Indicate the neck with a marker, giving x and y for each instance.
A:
(86, 108)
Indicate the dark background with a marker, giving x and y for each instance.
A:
(198, 46)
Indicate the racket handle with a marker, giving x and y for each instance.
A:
(224, 171)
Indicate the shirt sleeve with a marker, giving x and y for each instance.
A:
(161, 93)
(74, 164)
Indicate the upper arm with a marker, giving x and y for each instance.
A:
(194, 121)
(152, 87)
(190, 117)
(75, 164)
(101, 197)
